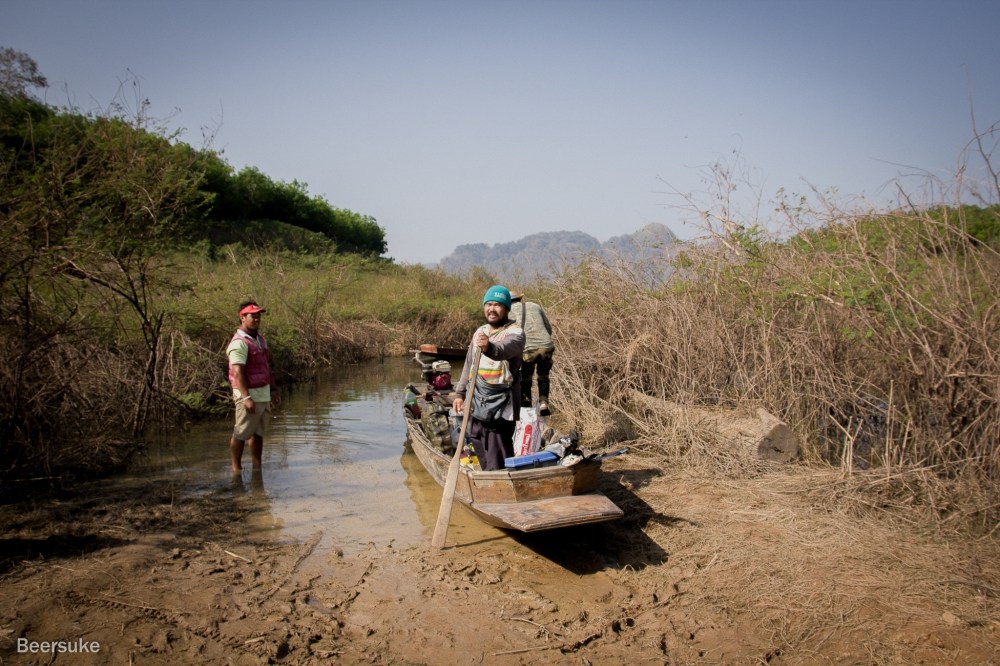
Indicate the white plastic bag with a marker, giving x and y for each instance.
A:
(527, 433)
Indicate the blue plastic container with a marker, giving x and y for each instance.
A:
(540, 459)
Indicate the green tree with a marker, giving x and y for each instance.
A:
(85, 215)
(18, 74)
(251, 196)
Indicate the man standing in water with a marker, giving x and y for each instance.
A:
(253, 386)
(497, 397)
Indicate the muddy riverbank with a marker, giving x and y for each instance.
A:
(700, 571)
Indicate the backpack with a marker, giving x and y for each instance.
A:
(434, 423)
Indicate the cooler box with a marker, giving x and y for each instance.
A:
(540, 459)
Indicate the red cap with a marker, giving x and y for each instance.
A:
(251, 309)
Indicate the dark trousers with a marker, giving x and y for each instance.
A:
(540, 360)
(492, 441)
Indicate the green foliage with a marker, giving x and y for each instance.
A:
(93, 165)
(250, 196)
(981, 224)
(24, 124)
(18, 74)
(134, 191)
(100, 182)
(321, 309)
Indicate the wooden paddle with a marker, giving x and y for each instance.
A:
(444, 513)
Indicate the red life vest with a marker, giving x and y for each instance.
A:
(258, 369)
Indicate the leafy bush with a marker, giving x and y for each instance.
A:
(249, 197)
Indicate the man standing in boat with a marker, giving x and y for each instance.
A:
(538, 349)
(253, 386)
(496, 400)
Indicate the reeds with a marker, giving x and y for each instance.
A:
(874, 337)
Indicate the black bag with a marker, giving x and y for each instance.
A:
(489, 400)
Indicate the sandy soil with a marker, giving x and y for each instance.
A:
(701, 571)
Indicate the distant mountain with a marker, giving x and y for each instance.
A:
(544, 254)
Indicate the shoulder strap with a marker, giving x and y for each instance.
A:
(486, 327)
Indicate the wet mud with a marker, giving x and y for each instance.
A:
(699, 571)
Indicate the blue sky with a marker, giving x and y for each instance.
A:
(468, 122)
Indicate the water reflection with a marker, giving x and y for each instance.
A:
(335, 467)
(331, 462)
(254, 488)
(463, 527)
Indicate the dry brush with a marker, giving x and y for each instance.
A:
(874, 337)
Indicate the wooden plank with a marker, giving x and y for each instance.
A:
(551, 513)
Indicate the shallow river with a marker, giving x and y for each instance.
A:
(334, 464)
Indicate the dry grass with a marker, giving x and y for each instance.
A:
(800, 556)
(874, 339)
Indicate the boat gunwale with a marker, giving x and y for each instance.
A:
(542, 472)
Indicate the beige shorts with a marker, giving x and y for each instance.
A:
(251, 424)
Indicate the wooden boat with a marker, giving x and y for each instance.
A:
(427, 354)
(528, 500)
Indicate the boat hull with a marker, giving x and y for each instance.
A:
(528, 500)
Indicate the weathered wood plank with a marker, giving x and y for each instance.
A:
(546, 514)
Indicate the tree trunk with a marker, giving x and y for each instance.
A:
(762, 435)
